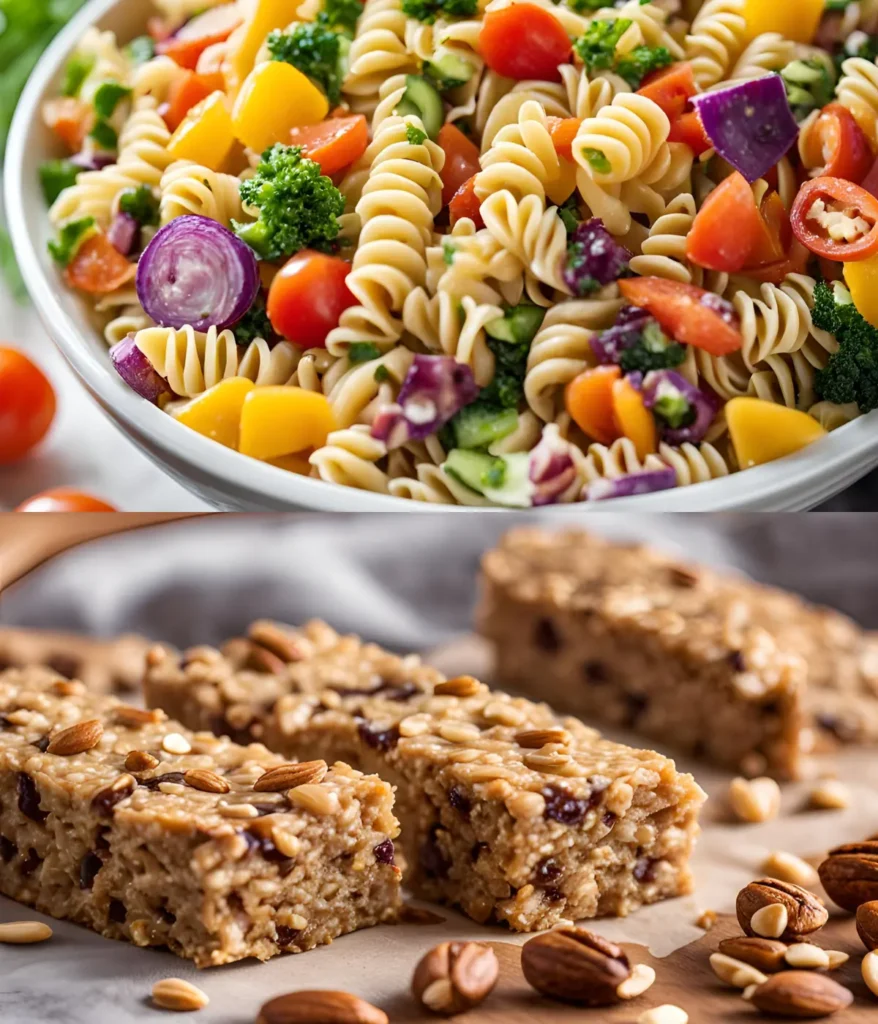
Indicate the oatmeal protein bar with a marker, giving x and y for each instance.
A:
(737, 673)
(507, 810)
(120, 819)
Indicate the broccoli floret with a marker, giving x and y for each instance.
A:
(857, 44)
(570, 214)
(340, 14)
(428, 10)
(141, 204)
(641, 61)
(315, 51)
(851, 375)
(653, 351)
(597, 49)
(255, 323)
(363, 351)
(298, 206)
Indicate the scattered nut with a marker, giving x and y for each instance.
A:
(706, 920)
(21, 933)
(533, 739)
(76, 739)
(850, 874)
(575, 965)
(869, 968)
(771, 921)
(177, 994)
(807, 957)
(790, 868)
(140, 761)
(733, 972)
(642, 978)
(176, 743)
(666, 1014)
(867, 923)
(320, 1007)
(460, 686)
(829, 795)
(837, 958)
(800, 994)
(206, 781)
(766, 955)
(288, 776)
(805, 913)
(455, 976)
(754, 800)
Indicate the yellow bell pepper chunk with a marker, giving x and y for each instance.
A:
(247, 42)
(206, 135)
(862, 280)
(278, 421)
(764, 431)
(793, 19)
(217, 413)
(275, 99)
(633, 419)
(297, 463)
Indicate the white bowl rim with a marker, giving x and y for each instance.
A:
(847, 449)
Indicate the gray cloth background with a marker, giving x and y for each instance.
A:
(404, 581)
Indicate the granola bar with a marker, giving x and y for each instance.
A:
(120, 819)
(105, 666)
(712, 664)
(507, 810)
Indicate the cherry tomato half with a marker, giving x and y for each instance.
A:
(687, 313)
(98, 267)
(64, 499)
(335, 143)
(671, 88)
(838, 144)
(308, 296)
(465, 203)
(713, 242)
(524, 41)
(27, 405)
(814, 216)
(461, 160)
(563, 131)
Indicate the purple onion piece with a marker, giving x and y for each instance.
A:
(594, 258)
(124, 233)
(435, 388)
(94, 160)
(609, 345)
(705, 405)
(551, 470)
(195, 272)
(137, 371)
(750, 124)
(631, 485)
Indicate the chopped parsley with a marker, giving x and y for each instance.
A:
(108, 96)
(363, 351)
(415, 135)
(428, 10)
(70, 238)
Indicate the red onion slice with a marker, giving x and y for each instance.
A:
(634, 483)
(196, 273)
(137, 371)
(124, 233)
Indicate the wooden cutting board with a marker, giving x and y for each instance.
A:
(684, 979)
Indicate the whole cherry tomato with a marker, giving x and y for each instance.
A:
(308, 296)
(64, 499)
(524, 41)
(27, 405)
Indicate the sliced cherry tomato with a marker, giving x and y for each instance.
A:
(186, 52)
(689, 314)
(27, 405)
(64, 499)
(775, 233)
(334, 144)
(461, 160)
(819, 200)
(524, 41)
(795, 262)
(98, 267)
(465, 203)
(671, 88)
(212, 26)
(838, 144)
(727, 227)
(589, 400)
(689, 129)
(563, 131)
(187, 93)
(308, 296)
(70, 119)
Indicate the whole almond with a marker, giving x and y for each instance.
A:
(140, 761)
(76, 739)
(766, 955)
(460, 686)
(455, 977)
(206, 781)
(850, 874)
(177, 994)
(575, 965)
(867, 924)
(276, 640)
(320, 1007)
(134, 718)
(805, 912)
(801, 994)
(288, 776)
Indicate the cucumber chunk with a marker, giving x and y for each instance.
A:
(423, 100)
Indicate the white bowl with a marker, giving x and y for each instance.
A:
(232, 481)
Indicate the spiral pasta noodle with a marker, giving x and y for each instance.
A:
(189, 188)
(858, 91)
(715, 40)
(351, 457)
(378, 51)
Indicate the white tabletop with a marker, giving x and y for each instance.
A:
(84, 450)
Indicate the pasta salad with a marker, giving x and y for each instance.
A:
(483, 252)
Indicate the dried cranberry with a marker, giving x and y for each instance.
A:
(31, 862)
(8, 849)
(117, 912)
(609, 819)
(42, 744)
(378, 739)
(157, 780)
(286, 936)
(384, 852)
(596, 672)
(431, 856)
(546, 636)
(563, 806)
(101, 841)
(166, 915)
(104, 801)
(644, 869)
(29, 799)
(548, 870)
(460, 802)
(476, 851)
(553, 895)
(89, 866)
(736, 660)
